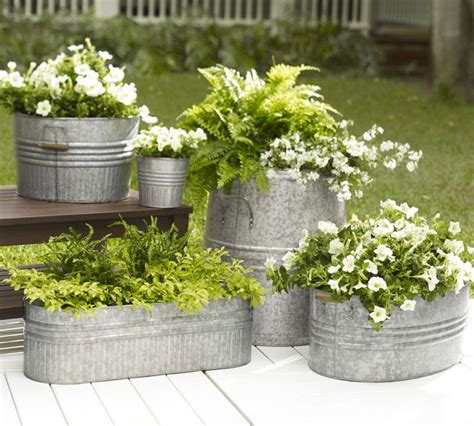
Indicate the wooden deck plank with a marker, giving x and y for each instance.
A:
(207, 401)
(81, 405)
(8, 414)
(280, 354)
(35, 402)
(11, 362)
(165, 402)
(303, 350)
(123, 404)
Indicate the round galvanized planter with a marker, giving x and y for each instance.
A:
(118, 343)
(253, 226)
(72, 160)
(161, 181)
(411, 344)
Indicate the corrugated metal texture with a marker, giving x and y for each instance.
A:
(253, 226)
(11, 336)
(161, 181)
(125, 342)
(74, 160)
(343, 345)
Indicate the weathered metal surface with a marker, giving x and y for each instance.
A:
(254, 226)
(125, 342)
(73, 160)
(161, 181)
(412, 344)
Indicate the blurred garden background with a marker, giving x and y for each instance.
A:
(385, 73)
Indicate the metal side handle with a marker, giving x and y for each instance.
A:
(234, 197)
(59, 134)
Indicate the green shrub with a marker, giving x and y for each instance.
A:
(171, 46)
(142, 268)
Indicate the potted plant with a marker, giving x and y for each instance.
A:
(149, 303)
(389, 294)
(163, 163)
(277, 160)
(74, 120)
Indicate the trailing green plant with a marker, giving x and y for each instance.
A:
(142, 268)
(79, 83)
(387, 261)
(186, 46)
(256, 126)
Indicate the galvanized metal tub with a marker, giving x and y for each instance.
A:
(411, 344)
(124, 342)
(74, 160)
(253, 226)
(161, 181)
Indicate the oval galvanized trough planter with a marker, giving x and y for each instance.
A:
(86, 160)
(124, 342)
(411, 344)
(161, 181)
(253, 226)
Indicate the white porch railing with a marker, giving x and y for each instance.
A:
(408, 12)
(353, 14)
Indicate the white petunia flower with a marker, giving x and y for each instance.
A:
(389, 205)
(43, 108)
(289, 260)
(382, 227)
(408, 305)
(454, 246)
(390, 164)
(411, 166)
(376, 284)
(379, 314)
(11, 66)
(75, 47)
(336, 247)
(334, 284)
(386, 146)
(470, 250)
(16, 80)
(270, 263)
(383, 253)
(333, 269)
(409, 211)
(348, 264)
(82, 69)
(430, 276)
(115, 75)
(327, 227)
(359, 285)
(144, 113)
(454, 228)
(371, 267)
(106, 56)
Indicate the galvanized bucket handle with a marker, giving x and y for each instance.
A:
(56, 130)
(234, 197)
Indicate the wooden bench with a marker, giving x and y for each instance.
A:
(24, 221)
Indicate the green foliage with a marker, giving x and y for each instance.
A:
(142, 268)
(185, 46)
(242, 115)
(386, 260)
(79, 83)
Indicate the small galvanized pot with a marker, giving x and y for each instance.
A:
(253, 226)
(118, 343)
(74, 160)
(411, 344)
(161, 181)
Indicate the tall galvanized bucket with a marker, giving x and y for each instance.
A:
(161, 181)
(253, 226)
(411, 344)
(118, 343)
(74, 160)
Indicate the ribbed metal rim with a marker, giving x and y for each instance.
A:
(37, 117)
(143, 158)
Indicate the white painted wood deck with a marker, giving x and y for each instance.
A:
(276, 388)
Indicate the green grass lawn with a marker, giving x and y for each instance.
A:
(444, 130)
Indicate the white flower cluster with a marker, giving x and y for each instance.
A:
(81, 74)
(163, 141)
(374, 258)
(344, 158)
